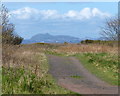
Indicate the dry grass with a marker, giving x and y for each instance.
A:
(23, 56)
(17, 58)
(90, 48)
(25, 71)
(32, 59)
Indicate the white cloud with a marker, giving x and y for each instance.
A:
(83, 14)
(71, 14)
(31, 13)
(97, 12)
(24, 13)
(49, 14)
(86, 13)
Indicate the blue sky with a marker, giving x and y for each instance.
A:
(81, 19)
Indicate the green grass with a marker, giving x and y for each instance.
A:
(54, 53)
(24, 81)
(75, 76)
(19, 81)
(103, 65)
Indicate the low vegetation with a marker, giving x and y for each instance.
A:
(25, 67)
(26, 72)
(99, 59)
(103, 42)
(76, 76)
(103, 65)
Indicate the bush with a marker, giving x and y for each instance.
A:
(104, 42)
(8, 35)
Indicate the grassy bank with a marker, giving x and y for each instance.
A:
(103, 65)
(26, 72)
(23, 82)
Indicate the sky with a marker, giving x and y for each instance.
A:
(83, 19)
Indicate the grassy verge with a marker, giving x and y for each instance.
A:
(17, 81)
(27, 73)
(103, 65)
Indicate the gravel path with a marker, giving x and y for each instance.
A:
(63, 68)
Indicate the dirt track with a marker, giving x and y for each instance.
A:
(62, 68)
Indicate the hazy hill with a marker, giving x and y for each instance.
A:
(48, 38)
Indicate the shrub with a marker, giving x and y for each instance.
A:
(8, 35)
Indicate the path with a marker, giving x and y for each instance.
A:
(62, 68)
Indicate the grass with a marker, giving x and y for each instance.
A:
(86, 48)
(51, 52)
(25, 67)
(24, 82)
(101, 60)
(26, 72)
(103, 65)
(77, 77)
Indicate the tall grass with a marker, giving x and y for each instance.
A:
(25, 71)
(71, 49)
(91, 48)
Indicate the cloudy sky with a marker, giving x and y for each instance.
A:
(81, 19)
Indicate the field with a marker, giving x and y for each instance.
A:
(25, 67)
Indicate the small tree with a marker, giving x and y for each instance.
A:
(111, 29)
(7, 28)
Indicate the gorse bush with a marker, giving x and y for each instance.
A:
(104, 42)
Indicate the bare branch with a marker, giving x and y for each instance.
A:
(111, 31)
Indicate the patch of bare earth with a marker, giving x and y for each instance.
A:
(63, 68)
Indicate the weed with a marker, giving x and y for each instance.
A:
(76, 76)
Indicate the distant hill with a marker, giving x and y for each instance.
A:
(47, 38)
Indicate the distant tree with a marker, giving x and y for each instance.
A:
(7, 28)
(87, 41)
(111, 29)
(65, 42)
(82, 42)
